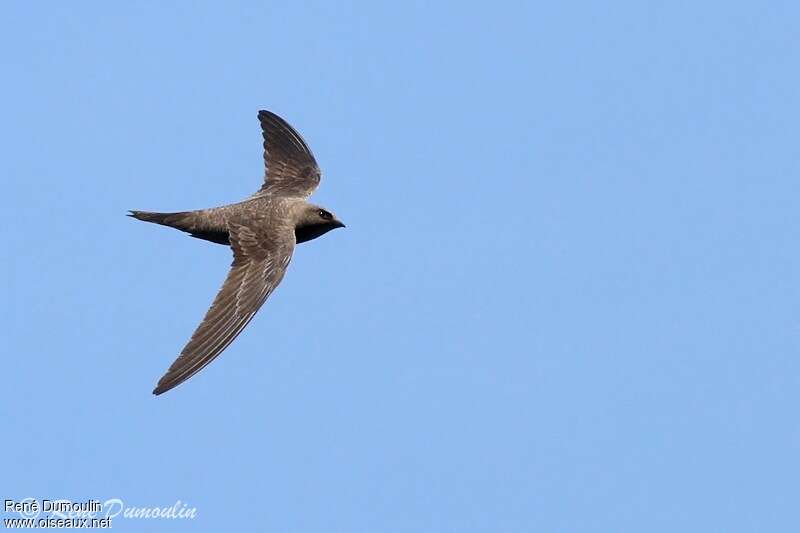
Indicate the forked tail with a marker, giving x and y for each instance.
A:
(181, 221)
(189, 221)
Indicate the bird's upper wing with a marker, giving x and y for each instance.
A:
(259, 262)
(290, 166)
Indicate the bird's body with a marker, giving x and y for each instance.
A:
(213, 224)
(262, 232)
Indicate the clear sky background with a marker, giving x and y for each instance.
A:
(567, 299)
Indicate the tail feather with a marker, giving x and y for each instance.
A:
(175, 220)
(187, 221)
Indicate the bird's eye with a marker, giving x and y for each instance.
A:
(324, 215)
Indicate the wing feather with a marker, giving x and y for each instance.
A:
(290, 166)
(258, 267)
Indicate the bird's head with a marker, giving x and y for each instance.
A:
(314, 221)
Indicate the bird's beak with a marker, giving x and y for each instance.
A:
(338, 224)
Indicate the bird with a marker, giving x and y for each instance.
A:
(262, 232)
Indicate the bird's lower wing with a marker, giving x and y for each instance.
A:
(258, 266)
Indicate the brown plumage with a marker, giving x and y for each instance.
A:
(262, 232)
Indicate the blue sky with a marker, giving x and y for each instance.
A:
(567, 299)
